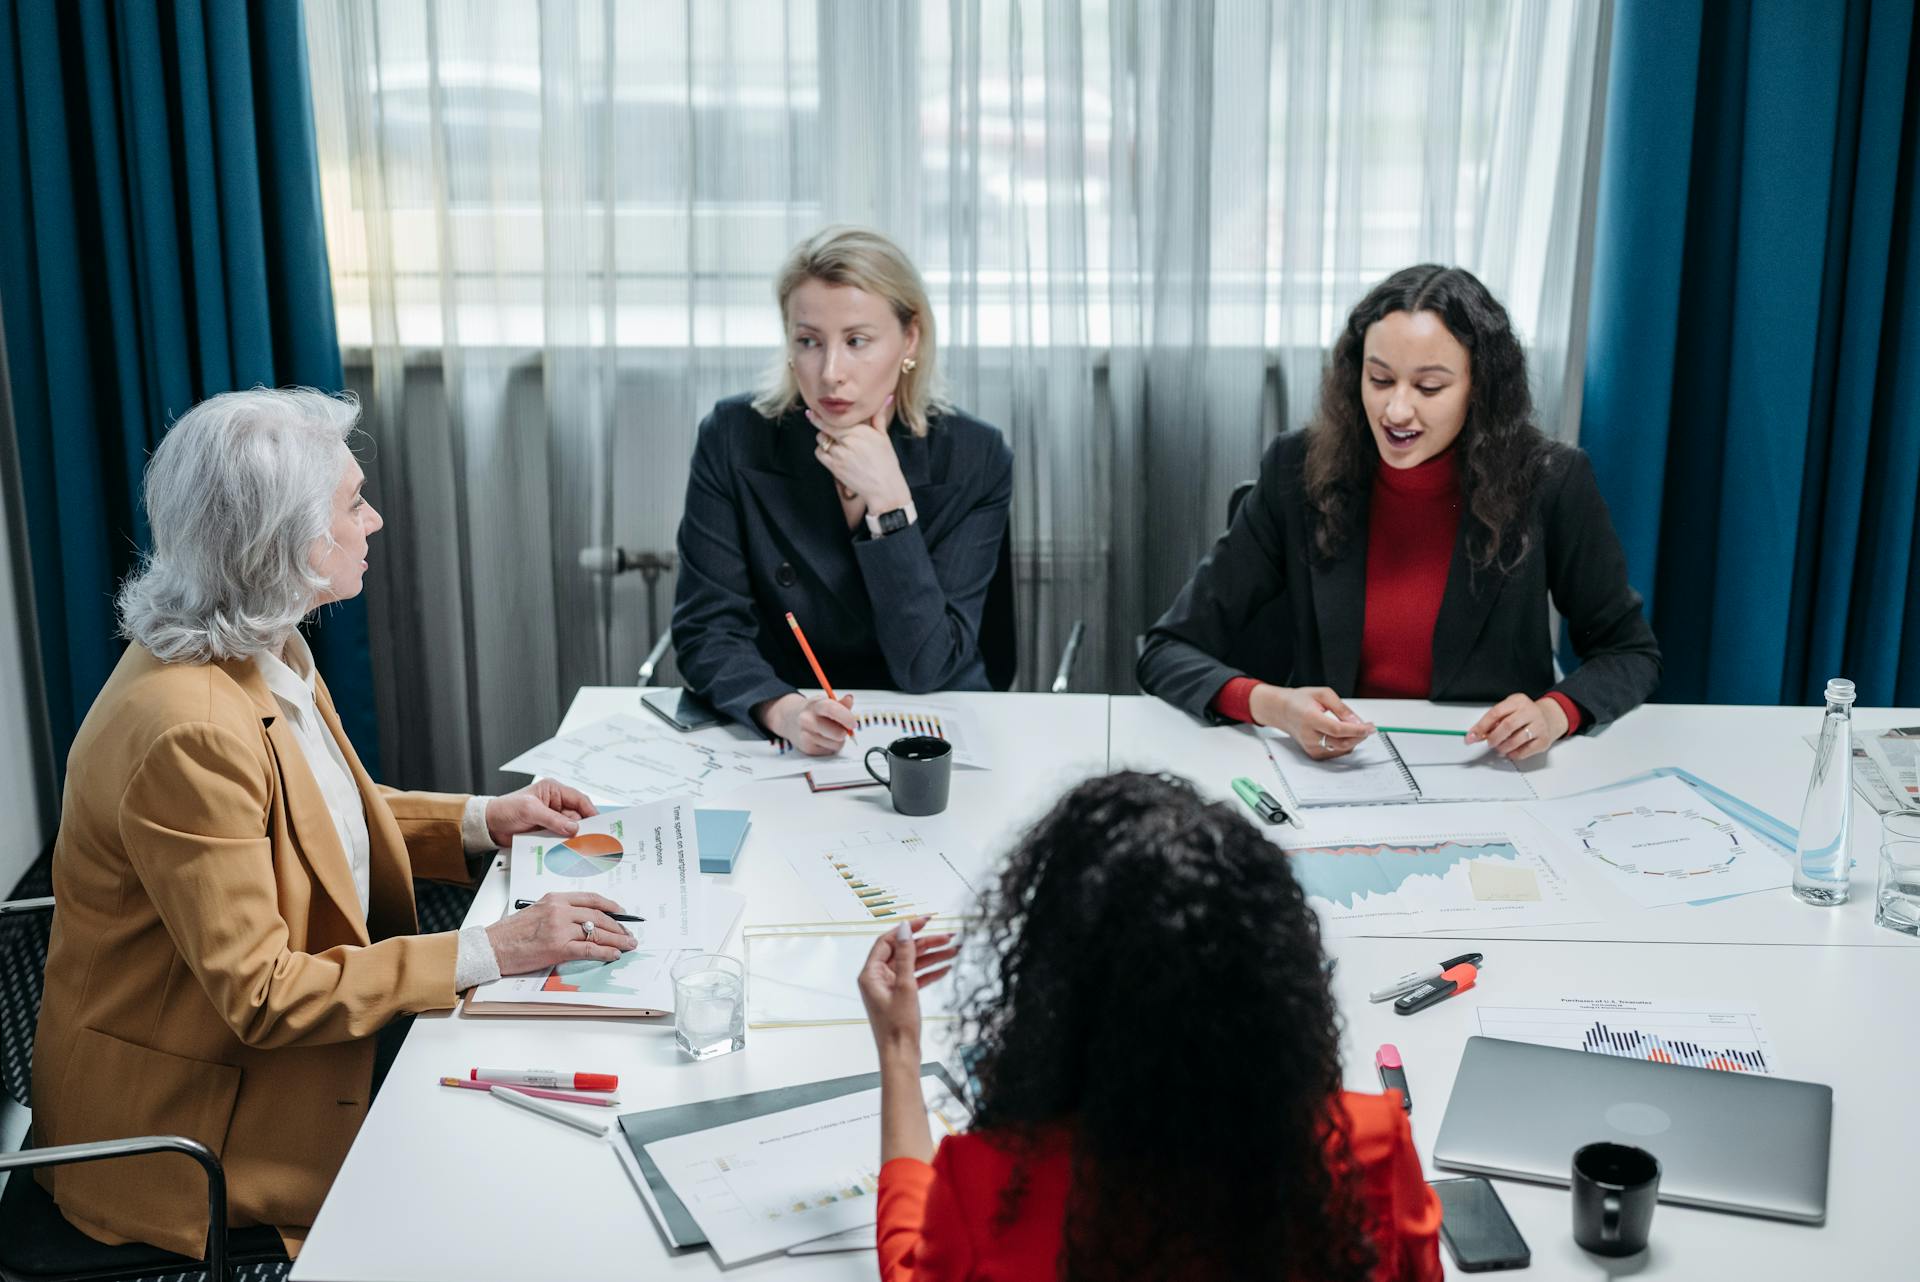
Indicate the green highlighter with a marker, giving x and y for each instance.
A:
(1259, 800)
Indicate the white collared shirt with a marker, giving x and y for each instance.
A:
(290, 677)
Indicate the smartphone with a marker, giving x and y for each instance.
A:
(1477, 1229)
(681, 709)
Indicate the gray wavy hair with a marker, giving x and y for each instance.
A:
(238, 494)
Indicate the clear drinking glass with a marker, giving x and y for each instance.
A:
(1896, 901)
(709, 1005)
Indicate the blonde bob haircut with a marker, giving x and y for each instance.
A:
(869, 262)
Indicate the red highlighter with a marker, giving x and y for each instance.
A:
(1457, 979)
(1393, 1074)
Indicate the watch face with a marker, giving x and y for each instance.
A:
(894, 520)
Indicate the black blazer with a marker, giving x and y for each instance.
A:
(763, 534)
(1490, 640)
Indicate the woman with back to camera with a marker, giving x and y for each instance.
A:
(1157, 1066)
(848, 493)
(1416, 531)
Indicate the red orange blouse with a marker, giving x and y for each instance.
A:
(937, 1222)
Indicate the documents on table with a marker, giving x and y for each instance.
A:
(624, 761)
(1725, 1036)
(888, 872)
(1409, 869)
(807, 974)
(1658, 842)
(644, 858)
(1897, 754)
(1871, 780)
(879, 722)
(1389, 767)
(764, 1184)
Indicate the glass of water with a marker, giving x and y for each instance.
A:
(1896, 903)
(709, 1005)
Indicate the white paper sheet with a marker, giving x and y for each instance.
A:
(765, 1184)
(885, 873)
(624, 761)
(881, 721)
(644, 858)
(1897, 753)
(1659, 842)
(1394, 870)
(808, 974)
(1725, 1036)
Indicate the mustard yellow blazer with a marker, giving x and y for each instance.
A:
(209, 973)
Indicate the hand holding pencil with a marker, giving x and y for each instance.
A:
(818, 726)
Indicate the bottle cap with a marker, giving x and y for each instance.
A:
(1840, 690)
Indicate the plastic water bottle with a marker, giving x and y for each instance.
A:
(1822, 859)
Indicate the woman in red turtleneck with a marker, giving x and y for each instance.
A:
(1414, 534)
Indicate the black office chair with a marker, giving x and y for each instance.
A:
(1269, 630)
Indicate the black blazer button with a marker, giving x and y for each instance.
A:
(785, 576)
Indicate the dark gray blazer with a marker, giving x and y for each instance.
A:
(763, 534)
(1489, 641)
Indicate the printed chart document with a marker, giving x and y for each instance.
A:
(1725, 1036)
(1658, 842)
(883, 719)
(1389, 767)
(807, 974)
(759, 1186)
(625, 761)
(886, 872)
(645, 858)
(1408, 869)
(1897, 753)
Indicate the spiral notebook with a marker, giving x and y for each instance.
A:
(1388, 768)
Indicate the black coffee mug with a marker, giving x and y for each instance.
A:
(919, 768)
(1614, 1190)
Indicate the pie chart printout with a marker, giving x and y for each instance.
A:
(587, 855)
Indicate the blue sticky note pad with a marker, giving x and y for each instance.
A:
(720, 834)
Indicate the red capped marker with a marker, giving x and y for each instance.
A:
(1393, 1075)
(1455, 979)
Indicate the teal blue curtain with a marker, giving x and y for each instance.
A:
(160, 241)
(1752, 403)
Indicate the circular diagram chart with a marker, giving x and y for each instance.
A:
(588, 855)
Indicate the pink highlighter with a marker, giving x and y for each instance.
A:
(1393, 1075)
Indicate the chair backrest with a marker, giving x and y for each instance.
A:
(999, 637)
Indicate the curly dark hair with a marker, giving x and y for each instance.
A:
(1501, 446)
(1157, 986)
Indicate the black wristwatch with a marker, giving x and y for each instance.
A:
(891, 522)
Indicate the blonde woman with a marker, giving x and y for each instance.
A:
(847, 492)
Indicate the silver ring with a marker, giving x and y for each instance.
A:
(1324, 745)
(586, 931)
(1529, 734)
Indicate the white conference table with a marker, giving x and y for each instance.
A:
(448, 1184)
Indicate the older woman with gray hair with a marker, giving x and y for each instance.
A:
(235, 918)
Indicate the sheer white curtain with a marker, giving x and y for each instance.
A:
(554, 226)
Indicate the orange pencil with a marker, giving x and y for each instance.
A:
(808, 651)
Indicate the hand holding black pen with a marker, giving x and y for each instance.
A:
(528, 903)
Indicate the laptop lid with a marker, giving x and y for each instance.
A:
(1727, 1141)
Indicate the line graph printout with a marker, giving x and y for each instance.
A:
(1659, 842)
(768, 1183)
(1395, 871)
(885, 873)
(1727, 1037)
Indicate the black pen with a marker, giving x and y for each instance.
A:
(528, 903)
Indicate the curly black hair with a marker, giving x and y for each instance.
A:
(1501, 446)
(1156, 985)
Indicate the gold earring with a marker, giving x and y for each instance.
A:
(909, 365)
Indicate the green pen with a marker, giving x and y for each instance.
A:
(1458, 734)
(1259, 800)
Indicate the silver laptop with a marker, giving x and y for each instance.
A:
(1727, 1141)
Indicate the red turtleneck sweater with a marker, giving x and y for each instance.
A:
(1411, 527)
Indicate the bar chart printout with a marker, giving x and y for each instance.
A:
(1724, 1037)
